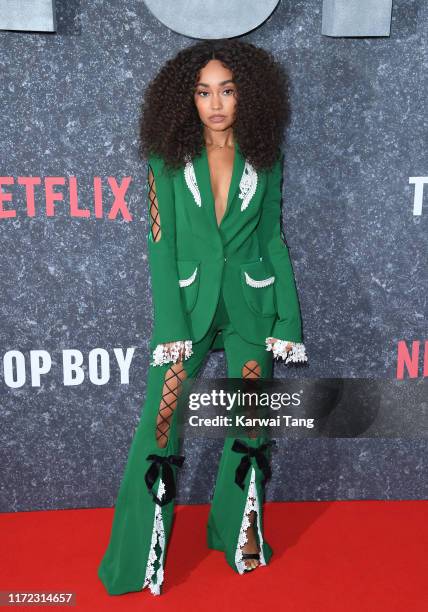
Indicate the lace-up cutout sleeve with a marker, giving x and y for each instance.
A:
(288, 327)
(170, 322)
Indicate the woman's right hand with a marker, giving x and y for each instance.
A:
(172, 352)
(169, 345)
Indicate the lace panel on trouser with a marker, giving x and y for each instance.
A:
(154, 572)
(252, 503)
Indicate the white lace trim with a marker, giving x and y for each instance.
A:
(185, 282)
(190, 176)
(158, 532)
(247, 184)
(164, 354)
(252, 503)
(296, 353)
(258, 283)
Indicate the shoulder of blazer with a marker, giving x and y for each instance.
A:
(159, 167)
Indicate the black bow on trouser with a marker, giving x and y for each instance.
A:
(241, 471)
(167, 475)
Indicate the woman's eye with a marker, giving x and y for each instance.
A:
(204, 94)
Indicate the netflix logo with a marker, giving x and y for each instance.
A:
(413, 361)
(62, 192)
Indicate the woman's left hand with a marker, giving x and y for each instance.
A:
(271, 341)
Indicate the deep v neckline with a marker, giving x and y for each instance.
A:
(231, 184)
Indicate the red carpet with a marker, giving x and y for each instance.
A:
(328, 556)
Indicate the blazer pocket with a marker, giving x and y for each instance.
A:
(188, 280)
(257, 283)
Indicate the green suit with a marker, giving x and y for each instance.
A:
(245, 249)
(229, 286)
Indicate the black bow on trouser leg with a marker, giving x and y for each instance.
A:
(167, 475)
(241, 471)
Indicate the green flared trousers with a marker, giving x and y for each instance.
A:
(135, 556)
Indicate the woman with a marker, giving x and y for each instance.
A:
(211, 126)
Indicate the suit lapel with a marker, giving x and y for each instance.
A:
(238, 169)
(203, 182)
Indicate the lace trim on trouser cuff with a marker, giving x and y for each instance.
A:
(154, 578)
(252, 503)
(296, 353)
(166, 354)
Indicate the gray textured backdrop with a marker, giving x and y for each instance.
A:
(69, 107)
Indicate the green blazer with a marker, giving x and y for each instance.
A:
(245, 256)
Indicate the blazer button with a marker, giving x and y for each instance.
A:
(225, 259)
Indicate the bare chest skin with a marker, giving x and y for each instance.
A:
(220, 163)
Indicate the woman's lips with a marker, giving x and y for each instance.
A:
(217, 118)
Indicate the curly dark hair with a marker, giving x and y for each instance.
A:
(170, 127)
